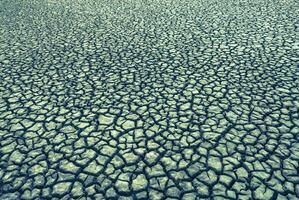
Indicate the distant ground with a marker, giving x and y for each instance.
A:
(149, 99)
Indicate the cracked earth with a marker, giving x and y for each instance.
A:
(149, 99)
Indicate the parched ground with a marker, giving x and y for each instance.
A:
(149, 99)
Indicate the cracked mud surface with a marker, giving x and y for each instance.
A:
(149, 99)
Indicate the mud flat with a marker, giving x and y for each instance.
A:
(149, 99)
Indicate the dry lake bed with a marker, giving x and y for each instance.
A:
(149, 99)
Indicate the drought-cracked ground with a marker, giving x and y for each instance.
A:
(149, 99)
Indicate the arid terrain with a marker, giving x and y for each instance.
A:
(149, 99)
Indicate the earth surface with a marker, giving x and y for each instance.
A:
(149, 99)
